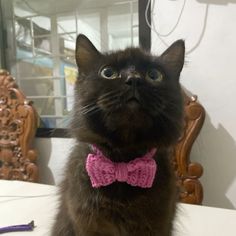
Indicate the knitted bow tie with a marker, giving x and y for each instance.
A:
(138, 172)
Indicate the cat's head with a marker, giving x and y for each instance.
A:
(128, 97)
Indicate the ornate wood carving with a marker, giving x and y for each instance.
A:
(187, 172)
(18, 124)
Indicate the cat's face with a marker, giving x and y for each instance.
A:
(128, 97)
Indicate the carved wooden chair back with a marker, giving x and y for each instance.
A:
(187, 172)
(18, 124)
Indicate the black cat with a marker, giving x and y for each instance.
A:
(127, 104)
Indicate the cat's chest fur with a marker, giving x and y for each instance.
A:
(120, 209)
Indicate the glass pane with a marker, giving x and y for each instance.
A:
(67, 45)
(66, 23)
(126, 13)
(43, 37)
(29, 69)
(48, 109)
(52, 122)
(89, 24)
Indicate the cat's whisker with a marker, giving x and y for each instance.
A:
(88, 105)
(109, 102)
(109, 97)
(90, 110)
(169, 103)
(162, 107)
(108, 94)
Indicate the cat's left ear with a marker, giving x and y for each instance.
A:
(85, 54)
(173, 57)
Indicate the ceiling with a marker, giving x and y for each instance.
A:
(51, 7)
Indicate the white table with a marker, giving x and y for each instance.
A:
(39, 202)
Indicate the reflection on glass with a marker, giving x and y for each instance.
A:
(45, 33)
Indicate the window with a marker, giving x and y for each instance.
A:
(40, 37)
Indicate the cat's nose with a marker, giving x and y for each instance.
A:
(133, 79)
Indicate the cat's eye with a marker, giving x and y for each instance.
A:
(109, 73)
(154, 74)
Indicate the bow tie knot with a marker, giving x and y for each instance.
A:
(121, 172)
(138, 172)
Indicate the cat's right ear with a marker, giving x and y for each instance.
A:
(173, 57)
(85, 54)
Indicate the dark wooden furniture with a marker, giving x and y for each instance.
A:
(18, 124)
(187, 172)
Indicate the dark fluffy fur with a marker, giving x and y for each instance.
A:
(125, 117)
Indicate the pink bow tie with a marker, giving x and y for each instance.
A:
(138, 172)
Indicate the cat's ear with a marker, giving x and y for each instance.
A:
(85, 54)
(173, 57)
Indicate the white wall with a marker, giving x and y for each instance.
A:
(208, 27)
(52, 156)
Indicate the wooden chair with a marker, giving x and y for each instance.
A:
(187, 172)
(18, 124)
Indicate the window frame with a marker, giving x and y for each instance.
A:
(144, 42)
(2, 41)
